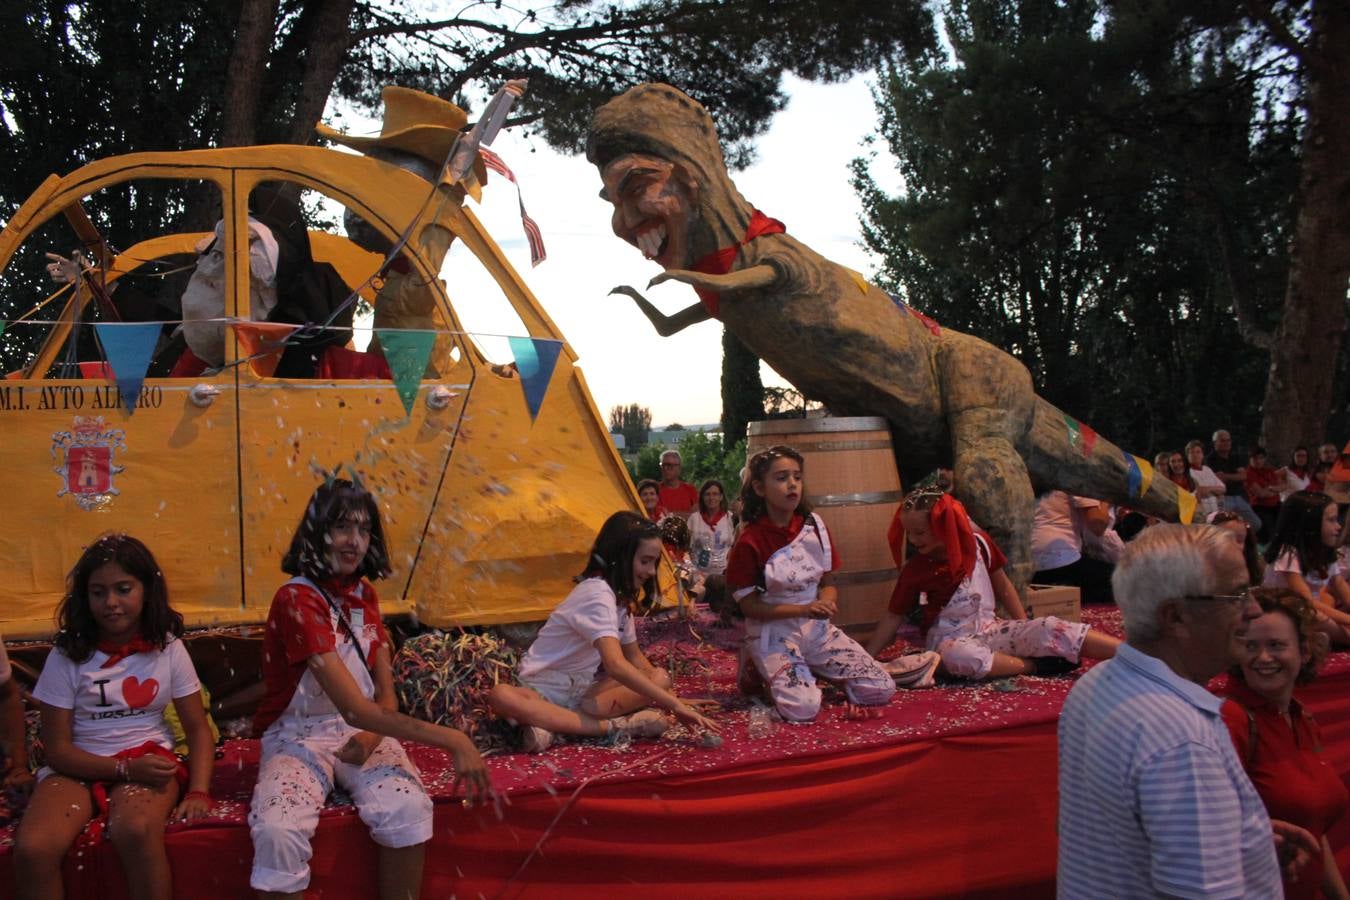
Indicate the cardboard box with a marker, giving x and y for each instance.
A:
(1054, 600)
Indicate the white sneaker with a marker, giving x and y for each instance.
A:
(913, 670)
(647, 723)
(534, 739)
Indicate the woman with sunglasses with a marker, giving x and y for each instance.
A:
(951, 584)
(1277, 741)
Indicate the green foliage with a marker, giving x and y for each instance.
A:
(1068, 172)
(742, 389)
(702, 457)
(633, 422)
(647, 464)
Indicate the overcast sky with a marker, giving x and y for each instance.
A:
(621, 355)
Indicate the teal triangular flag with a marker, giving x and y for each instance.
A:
(129, 347)
(535, 359)
(407, 353)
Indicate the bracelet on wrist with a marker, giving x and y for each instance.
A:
(200, 794)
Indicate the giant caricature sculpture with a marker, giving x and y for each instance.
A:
(951, 399)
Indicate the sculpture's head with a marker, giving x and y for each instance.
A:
(663, 171)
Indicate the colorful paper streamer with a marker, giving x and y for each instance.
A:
(1081, 436)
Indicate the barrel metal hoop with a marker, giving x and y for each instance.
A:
(837, 446)
(816, 426)
(867, 498)
(847, 579)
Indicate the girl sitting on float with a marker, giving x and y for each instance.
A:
(116, 665)
(330, 716)
(951, 584)
(1302, 557)
(780, 572)
(585, 673)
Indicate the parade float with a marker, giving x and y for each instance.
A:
(492, 481)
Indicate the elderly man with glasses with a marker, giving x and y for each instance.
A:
(677, 496)
(1153, 800)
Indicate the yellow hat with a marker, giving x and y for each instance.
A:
(414, 122)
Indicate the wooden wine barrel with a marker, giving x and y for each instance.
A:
(852, 482)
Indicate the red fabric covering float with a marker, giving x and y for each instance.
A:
(339, 363)
(952, 793)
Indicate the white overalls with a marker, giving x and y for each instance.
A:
(967, 634)
(789, 653)
(299, 769)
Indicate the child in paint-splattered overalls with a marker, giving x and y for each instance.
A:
(330, 715)
(953, 582)
(779, 572)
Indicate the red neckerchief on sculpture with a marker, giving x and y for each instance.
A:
(118, 653)
(719, 261)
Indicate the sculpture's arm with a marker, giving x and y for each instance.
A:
(665, 325)
(759, 276)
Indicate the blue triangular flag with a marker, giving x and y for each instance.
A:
(407, 353)
(129, 348)
(535, 359)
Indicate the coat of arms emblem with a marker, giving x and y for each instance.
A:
(85, 454)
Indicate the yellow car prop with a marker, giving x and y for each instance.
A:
(489, 513)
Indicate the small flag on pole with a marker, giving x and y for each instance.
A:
(532, 233)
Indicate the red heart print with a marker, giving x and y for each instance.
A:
(139, 694)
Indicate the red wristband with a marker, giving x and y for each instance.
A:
(203, 794)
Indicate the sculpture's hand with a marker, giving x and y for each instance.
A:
(628, 292)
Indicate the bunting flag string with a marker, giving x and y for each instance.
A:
(532, 234)
(129, 347)
(263, 343)
(535, 359)
(1081, 437)
(928, 322)
(407, 353)
(1185, 506)
(1138, 474)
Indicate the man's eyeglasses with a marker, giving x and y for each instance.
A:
(669, 465)
(1223, 598)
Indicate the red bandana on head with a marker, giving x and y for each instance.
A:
(719, 261)
(951, 524)
(118, 653)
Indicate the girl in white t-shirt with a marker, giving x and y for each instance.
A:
(1209, 488)
(585, 673)
(1302, 557)
(116, 665)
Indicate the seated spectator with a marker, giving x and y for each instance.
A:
(1327, 453)
(1263, 491)
(1320, 476)
(1057, 544)
(1277, 741)
(1108, 545)
(1208, 488)
(649, 490)
(1178, 472)
(1297, 474)
(1230, 468)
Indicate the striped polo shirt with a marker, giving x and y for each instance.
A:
(1152, 797)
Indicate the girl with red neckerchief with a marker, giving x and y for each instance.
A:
(952, 584)
(330, 716)
(781, 573)
(116, 665)
(711, 534)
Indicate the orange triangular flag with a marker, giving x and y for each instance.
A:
(263, 343)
